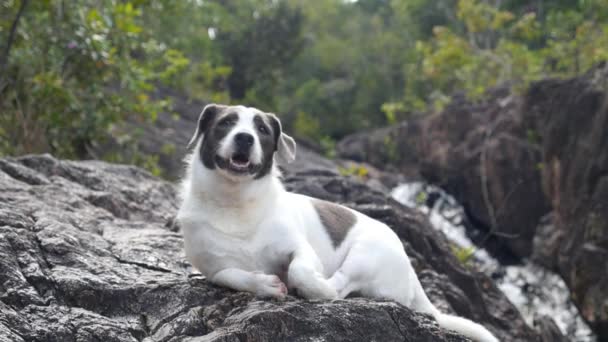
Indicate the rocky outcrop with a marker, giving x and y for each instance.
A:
(570, 118)
(532, 169)
(478, 152)
(88, 252)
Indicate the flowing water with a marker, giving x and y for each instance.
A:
(534, 290)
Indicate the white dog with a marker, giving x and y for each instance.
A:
(243, 230)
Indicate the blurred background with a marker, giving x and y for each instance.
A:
(72, 73)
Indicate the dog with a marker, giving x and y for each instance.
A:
(244, 231)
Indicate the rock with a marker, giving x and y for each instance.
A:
(549, 330)
(547, 242)
(479, 153)
(570, 118)
(349, 320)
(87, 254)
(393, 148)
(308, 159)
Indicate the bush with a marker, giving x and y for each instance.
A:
(488, 46)
(75, 69)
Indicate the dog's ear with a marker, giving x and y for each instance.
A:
(204, 121)
(285, 146)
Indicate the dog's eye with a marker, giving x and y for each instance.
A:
(263, 129)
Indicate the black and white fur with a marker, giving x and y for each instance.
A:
(243, 230)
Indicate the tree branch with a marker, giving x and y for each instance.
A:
(11, 39)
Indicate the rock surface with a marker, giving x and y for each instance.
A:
(88, 253)
(477, 152)
(571, 120)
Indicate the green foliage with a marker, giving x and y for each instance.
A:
(463, 254)
(391, 149)
(354, 170)
(329, 147)
(79, 69)
(532, 137)
(391, 110)
(74, 71)
(540, 166)
(489, 45)
(421, 197)
(306, 126)
(348, 66)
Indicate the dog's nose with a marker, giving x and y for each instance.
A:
(243, 139)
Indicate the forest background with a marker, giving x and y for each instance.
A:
(71, 72)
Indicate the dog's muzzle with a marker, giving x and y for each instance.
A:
(239, 162)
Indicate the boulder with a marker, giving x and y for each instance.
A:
(479, 153)
(570, 118)
(88, 252)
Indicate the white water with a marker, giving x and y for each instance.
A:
(534, 290)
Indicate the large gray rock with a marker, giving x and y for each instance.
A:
(88, 252)
(478, 152)
(570, 118)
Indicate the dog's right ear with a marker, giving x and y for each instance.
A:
(285, 146)
(204, 121)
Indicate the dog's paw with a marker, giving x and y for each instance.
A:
(317, 288)
(270, 286)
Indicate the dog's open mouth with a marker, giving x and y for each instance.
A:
(239, 162)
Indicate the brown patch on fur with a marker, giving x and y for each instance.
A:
(336, 219)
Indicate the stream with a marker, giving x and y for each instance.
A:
(534, 290)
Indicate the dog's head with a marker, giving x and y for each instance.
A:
(241, 142)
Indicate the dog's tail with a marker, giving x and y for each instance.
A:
(466, 327)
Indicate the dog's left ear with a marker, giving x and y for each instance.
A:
(204, 121)
(285, 146)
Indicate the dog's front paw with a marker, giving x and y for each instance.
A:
(270, 286)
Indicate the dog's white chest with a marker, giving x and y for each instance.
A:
(211, 249)
(203, 237)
